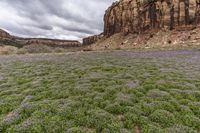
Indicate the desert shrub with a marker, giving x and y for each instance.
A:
(131, 120)
(11, 43)
(195, 107)
(5, 50)
(158, 95)
(118, 48)
(21, 51)
(151, 128)
(180, 129)
(101, 120)
(148, 87)
(35, 48)
(149, 108)
(125, 99)
(184, 101)
(124, 131)
(185, 110)
(114, 108)
(87, 49)
(77, 130)
(163, 117)
(191, 121)
(29, 125)
(59, 50)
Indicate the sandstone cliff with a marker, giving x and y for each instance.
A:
(136, 16)
(7, 39)
(92, 39)
(48, 42)
(4, 34)
(150, 23)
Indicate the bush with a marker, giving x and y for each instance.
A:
(163, 117)
(191, 121)
(5, 50)
(35, 48)
(158, 95)
(114, 108)
(180, 129)
(59, 50)
(101, 120)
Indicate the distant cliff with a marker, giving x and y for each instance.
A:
(7, 39)
(4, 34)
(92, 39)
(136, 16)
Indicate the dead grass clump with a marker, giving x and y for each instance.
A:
(5, 50)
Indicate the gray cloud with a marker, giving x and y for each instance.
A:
(62, 19)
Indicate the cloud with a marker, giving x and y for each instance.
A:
(61, 19)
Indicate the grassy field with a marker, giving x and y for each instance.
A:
(108, 92)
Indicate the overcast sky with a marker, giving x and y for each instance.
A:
(61, 19)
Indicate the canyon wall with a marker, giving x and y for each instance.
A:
(92, 39)
(7, 39)
(136, 16)
(49, 42)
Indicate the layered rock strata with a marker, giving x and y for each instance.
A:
(92, 39)
(136, 16)
(4, 34)
(7, 39)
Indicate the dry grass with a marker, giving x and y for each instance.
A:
(5, 50)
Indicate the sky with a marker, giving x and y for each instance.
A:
(56, 19)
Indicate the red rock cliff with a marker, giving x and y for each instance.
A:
(135, 16)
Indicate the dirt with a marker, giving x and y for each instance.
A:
(161, 39)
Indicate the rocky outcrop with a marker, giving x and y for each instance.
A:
(92, 39)
(49, 42)
(137, 16)
(4, 34)
(7, 39)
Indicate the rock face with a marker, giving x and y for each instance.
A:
(49, 42)
(4, 34)
(136, 16)
(7, 39)
(92, 39)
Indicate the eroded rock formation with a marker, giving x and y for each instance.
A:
(49, 42)
(7, 39)
(4, 34)
(92, 39)
(136, 16)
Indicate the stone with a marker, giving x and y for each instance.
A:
(92, 39)
(137, 16)
(4, 34)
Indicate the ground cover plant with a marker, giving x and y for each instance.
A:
(111, 92)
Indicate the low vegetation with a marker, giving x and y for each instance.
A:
(34, 49)
(119, 91)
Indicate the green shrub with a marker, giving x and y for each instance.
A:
(158, 95)
(163, 117)
(101, 120)
(180, 129)
(191, 121)
(114, 108)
